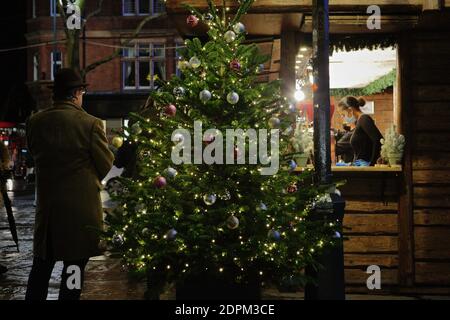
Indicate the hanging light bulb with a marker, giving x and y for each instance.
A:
(299, 95)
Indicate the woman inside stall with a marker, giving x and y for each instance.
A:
(365, 139)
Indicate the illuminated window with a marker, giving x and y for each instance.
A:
(142, 7)
(143, 65)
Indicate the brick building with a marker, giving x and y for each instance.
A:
(120, 85)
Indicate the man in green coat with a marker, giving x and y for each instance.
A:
(71, 154)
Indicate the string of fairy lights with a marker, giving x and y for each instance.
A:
(137, 258)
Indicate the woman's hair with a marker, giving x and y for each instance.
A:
(352, 102)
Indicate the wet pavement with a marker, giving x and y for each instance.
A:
(105, 279)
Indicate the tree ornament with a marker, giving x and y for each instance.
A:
(237, 153)
(117, 239)
(292, 165)
(208, 17)
(239, 28)
(160, 182)
(117, 142)
(205, 96)
(208, 139)
(261, 207)
(144, 154)
(291, 109)
(232, 222)
(114, 186)
(183, 65)
(229, 36)
(209, 199)
(179, 91)
(171, 172)
(274, 235)
(235, 65)
(274, 122)
(171, 234)
(141, 208)
(145, 232)
(233, 98)
(195, 62)
(337, 235)
(226, 195)
(261, 68)
(192, 21)
(170, 110)
(292, 188)
(288, 131)
(136, 128)
(178, 138)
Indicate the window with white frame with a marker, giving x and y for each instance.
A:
(142, 7)
(142, 65)
(33, 9)
(36, 66)
(55, 62)
(178, 58)
(54, 8)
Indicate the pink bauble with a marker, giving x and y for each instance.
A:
(292, 188)
(192, 21)
(170, 110)
(160, 182)
(235, 65)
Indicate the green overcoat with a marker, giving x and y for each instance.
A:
(71, 154)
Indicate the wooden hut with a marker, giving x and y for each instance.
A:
(398, 219)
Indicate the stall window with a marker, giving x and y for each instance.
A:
(370, 74)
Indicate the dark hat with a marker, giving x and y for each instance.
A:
(67, 79)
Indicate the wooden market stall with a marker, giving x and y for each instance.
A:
(396, 218)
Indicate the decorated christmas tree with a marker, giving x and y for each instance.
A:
(205, 205)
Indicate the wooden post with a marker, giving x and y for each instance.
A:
(432, 5)
(405, 206)
(289, 49)
(321, 91)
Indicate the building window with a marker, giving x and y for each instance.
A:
(54, 8)
(33, 9)
(36, 67)
(143, 65)
(142, 7)
(55, 62)
(178, 58)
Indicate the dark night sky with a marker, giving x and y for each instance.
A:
(13, 64)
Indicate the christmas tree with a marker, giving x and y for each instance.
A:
(198, 213)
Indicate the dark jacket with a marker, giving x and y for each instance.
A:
(344, 148)
(71, 154)
(365, 140)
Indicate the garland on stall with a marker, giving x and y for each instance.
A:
(377, 86)
(340, 42)
(352, 42)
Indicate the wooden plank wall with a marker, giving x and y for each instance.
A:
(430, 154)
(370, 228)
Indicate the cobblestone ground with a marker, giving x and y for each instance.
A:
(104, 280)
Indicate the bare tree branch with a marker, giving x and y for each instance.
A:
(117, 52)
(93, 13)
(63, 14)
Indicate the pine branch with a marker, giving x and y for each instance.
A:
(117, 52)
